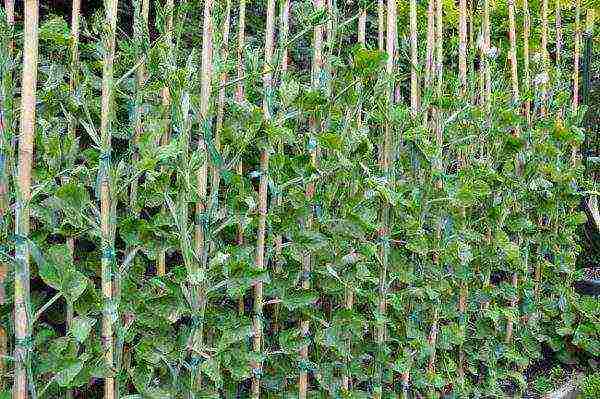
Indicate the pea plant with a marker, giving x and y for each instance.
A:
(309, 198)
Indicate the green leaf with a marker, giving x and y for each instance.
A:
(299, 299)
(68, 372)
(81, 327)
(212, 370)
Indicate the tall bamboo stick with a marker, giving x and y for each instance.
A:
(262, 197)
(439, 62)
(161, 262)
(386, 161)
(380, 24)
(240, 98)
(512, 36)
(6, 152)
(462, 46)
(201, 180)
(309, 193)
(140, 25)
(106, 226)
(545, 58)
(284, 17)
(6, 161)
(414, 60)
(349, 292)
(224, 53)
(576, 58)
(526, 69)
(464, 89)
(439, 46)
(26, 137)
(559, 36)
(429, 49)
(515, 95)
(487, 79)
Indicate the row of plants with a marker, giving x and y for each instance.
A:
(291, 198)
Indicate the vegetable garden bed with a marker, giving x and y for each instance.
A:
(298, 198)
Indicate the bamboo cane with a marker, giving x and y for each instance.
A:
(284, 16)
(544, 48)
(526, 69)
(429, 49)
(559, 36)
(6, 153)
(201, 180)
(464, 89)
(487, 80)
(439, 61)
(224, 53)
(576, 58)
(462, 46)
(25, 159)
(240, 99)
(309, 193)
(105, 196)
(140, 25)
(6, 156)
(161, 262)
(414, 60)
(262, 199)
(380, 24)
(386, 168)
(515, 95)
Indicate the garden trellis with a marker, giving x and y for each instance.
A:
(293, 198)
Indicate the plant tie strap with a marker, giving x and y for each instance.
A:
(108, 254)
(25, 342)
(257, 372)
(306, 275)
(19, 239)
(196, 321)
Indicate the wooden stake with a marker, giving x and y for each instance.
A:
(526, 69)
(310, 192)
(26, 138)
(576, 58)
(161, 262)
(106, 226)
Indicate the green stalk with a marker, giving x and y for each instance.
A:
(23, 338)
(106, 222)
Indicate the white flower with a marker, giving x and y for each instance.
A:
(541, 79)
(536, 57)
